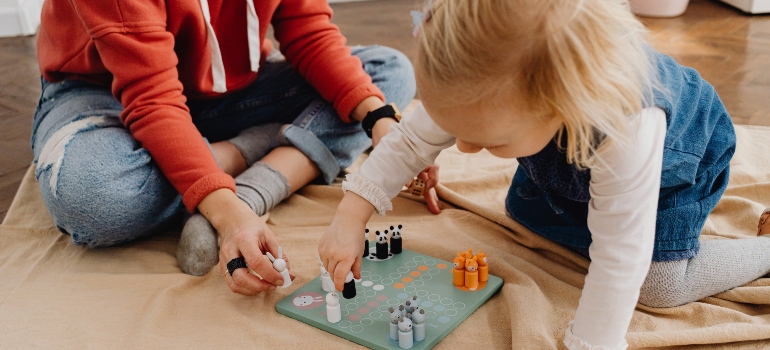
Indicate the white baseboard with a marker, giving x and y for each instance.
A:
(20, 20)
(750, 6)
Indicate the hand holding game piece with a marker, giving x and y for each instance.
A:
(341, 246)
(249, 238)
(429, 179)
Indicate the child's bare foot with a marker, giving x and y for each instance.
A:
(764, 224)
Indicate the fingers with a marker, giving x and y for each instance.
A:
(432, 176)
(252, 285)
(341, 271)
(431, 198)
(257, 262)
(242, 282)
(357, 268)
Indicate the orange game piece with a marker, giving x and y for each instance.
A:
(471, 274)
(467, 255)
(458, 273)
(481, 258)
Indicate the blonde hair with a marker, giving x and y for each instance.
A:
(582, 61)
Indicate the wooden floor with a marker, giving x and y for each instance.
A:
(729, 48)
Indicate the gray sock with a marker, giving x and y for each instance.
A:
(256, 142)
(260, 186)
(720, 265)
(198, 251)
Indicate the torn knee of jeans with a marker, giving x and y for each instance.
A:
(52, 155)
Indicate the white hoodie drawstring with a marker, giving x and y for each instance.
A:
(217, 65)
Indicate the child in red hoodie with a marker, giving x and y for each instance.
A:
(149, 107)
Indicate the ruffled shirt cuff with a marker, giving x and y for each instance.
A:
(573, 342)
(369, 191)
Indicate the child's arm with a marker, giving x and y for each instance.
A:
(622, 218)
(410, 147)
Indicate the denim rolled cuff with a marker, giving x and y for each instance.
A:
(573, 342)
(347, 103)
(204, 186)
(313, 148)
(367, 190)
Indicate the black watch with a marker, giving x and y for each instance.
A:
(387, 111)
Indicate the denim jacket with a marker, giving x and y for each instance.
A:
(550, 196)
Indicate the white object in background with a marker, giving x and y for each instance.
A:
(19, 17)
(280, 266)
(658, 8)
(750, 6)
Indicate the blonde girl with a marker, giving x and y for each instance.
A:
(622, 152)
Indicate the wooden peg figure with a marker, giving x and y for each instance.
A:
(394, 315)
(382, 245)
(333, 310)
(481, 258)
(458, 272)
(418, 321)
(366, 243)
(395, 240)
(280, 265)
(405, 335)
(471, 274)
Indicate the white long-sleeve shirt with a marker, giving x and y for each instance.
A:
(621, 214)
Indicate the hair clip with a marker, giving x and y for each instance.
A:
(420, 17)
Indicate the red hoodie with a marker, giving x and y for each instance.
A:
(155, 54)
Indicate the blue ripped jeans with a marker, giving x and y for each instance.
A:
(103, 188)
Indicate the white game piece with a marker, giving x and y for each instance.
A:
(415, 300)
(394, 315)
(333, 311)
(326, 280)
(405, 337)
(418, 319)
(280, 266)
(403, 310)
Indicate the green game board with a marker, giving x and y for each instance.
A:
(365, 318)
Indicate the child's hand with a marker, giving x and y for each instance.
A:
(430, 177)
(341, 245)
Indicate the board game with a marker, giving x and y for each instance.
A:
(390, 283)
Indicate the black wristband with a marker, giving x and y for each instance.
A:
(387, 111)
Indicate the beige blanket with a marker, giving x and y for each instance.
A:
(57, 295)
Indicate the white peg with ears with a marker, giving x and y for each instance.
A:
(280, 265)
